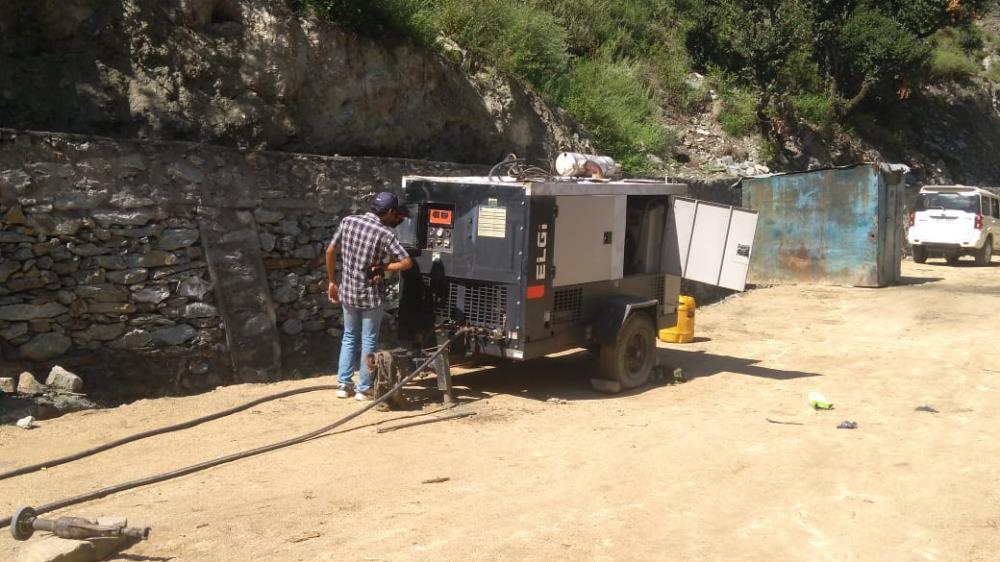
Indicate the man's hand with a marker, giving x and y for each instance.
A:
(333, 292)
(377, 273)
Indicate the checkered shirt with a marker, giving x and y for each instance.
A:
(363, 242)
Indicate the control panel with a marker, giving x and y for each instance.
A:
(440, 228)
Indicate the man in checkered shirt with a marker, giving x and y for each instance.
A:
(369, 247)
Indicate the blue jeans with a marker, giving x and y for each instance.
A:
(364, 322)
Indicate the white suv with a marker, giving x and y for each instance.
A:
(955, 220)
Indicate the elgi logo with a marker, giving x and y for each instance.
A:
(542, 242)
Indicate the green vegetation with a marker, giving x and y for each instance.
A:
(610, 98)
(620, 65)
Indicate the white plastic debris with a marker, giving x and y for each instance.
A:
(26, 423)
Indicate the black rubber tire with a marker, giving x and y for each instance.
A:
(632, 356)
(919, 254)
(952, 259)
(985, 254)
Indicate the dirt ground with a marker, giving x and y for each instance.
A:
(732, 465)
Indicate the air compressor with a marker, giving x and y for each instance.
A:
(530, 266)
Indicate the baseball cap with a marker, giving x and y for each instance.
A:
(385, 201)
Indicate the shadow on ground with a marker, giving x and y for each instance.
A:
(567, 376)
(908, 281)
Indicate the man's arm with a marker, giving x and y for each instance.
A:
(401, 265)
(332, 291)
(401, 260)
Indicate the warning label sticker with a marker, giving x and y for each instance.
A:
(492, 222)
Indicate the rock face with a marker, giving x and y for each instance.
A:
(253, 74)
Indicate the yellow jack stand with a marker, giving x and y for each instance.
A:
(683, 332)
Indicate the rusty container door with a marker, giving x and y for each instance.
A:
(835, 227)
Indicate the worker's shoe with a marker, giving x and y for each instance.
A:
(362, 396)
(343, 391)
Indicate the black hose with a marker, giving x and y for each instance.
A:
(159, 431)
(5, 522)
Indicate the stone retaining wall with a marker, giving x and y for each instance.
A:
(106, 257)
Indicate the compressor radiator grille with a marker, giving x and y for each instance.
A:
(478, 304)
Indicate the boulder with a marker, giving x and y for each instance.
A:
(292, 326)
(21, 312)
(8, 385)
(110, 262)
(126, 218)
(136, 338)
(155, 258)
(63, 379)
(193, 287)
(152, 295)
(13, 331)
(67, 227)
(76, 200)
(265, 216)
(8, 268)
(27, 384)
(124, 200)
(102, 332)
(285, 294)
(128, 276)
(45, 346)
(110, 308)
(176, 238)
(200, 310)
(103, 292)
(174, 335)
(88, 250)
(267, 241)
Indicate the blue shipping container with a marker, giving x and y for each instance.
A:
(838, 226)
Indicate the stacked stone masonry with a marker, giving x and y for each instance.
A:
(104, 265)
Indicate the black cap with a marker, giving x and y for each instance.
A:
(385, 201)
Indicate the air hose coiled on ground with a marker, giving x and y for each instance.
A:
(96, 494)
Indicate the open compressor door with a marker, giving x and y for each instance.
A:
(709, 243)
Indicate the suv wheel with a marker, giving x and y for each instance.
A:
(985, 254)
(919, 254)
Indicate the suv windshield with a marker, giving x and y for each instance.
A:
(948, 201)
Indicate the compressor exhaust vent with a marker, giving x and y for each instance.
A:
(568, 306)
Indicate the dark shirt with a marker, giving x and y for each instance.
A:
(363, 242)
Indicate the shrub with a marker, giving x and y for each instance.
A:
(739, 112)
(516, 38)
(611, 100)
(818, 109)
(956, 53)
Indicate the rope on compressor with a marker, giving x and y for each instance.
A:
(96, 494)
(520, 170)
